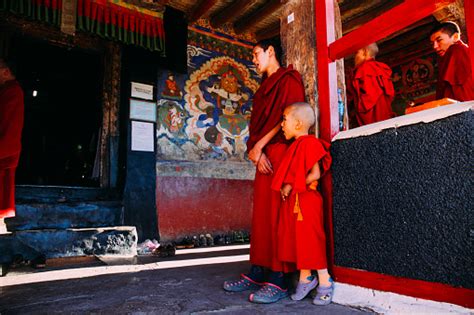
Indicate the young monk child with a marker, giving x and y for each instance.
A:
(301, 236)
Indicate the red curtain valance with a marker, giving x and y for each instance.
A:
(112, 19)
(121, 21)
(48, 11)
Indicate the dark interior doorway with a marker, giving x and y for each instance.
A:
(63, 113)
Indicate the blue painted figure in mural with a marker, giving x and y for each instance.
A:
(229, 100)
(216, 96)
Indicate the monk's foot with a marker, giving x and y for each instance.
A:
(269, 293)
(303, 289)
(245, 283)
(324, 294)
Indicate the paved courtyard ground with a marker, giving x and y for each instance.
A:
(176, 290)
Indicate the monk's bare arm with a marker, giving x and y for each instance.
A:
(256, 152)
(314, 174)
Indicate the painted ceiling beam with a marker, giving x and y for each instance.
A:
(384, 25)
(246, 23)
(230, 12)
(268, 32)
(201, 9)
(375, 9)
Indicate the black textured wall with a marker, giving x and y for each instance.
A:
(403, 201)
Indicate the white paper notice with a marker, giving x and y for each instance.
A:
(142, 136)
(142, 110)
(143, 91)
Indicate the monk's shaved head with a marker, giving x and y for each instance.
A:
(366, 53)
(372, 50)
(303, 112)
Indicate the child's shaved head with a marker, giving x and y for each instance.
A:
(303, 112)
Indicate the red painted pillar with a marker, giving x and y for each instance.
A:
(327, 100)
(469, 16)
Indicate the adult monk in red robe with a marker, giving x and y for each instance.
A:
(455, 77)
(301, 235)
(372, 86)
(11, 125)
(280, 87)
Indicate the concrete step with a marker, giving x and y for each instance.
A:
(119, 240)
(37, 216)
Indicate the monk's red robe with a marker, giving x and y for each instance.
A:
(455, 78)
(11, 125)
(374, 92)
(276, 92)
(301, 236)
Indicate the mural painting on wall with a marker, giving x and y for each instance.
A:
(414, 82)
(204, 115)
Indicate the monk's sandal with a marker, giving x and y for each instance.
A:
(245, 283)
(269, 293)
(324, 294)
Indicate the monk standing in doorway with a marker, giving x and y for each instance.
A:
(455, 77)
(11, 125)
(280, 88)
(372, 87)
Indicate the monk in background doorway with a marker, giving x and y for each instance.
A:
(11, 124)
(371, 87)
(455, 77)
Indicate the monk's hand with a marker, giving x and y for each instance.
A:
(285, 191)
(264, 166)
(255, 154)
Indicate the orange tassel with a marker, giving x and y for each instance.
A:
(297, 209)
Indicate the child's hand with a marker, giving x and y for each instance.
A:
(313, 185)
(285, 191)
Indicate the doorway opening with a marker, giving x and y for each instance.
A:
(63, 113)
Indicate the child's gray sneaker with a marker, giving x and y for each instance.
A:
(324, 294)
(303, 289)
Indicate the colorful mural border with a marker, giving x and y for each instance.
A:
(219, 42)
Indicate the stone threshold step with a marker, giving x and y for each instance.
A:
(51, 243)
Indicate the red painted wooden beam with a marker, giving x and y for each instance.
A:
(469, 16)
(411, 287)
(327, 101)
(327, 78)
(201, 9)
(384, 25)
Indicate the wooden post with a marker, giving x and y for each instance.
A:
(297, 37)
(110, 122)
(327, 88)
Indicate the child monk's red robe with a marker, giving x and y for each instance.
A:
(11, 125)
(276, 92)
(301, 236)
(455, 78)
(374, 92)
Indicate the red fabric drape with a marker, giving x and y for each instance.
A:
(126, 24)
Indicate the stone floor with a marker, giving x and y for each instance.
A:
(175, 290)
